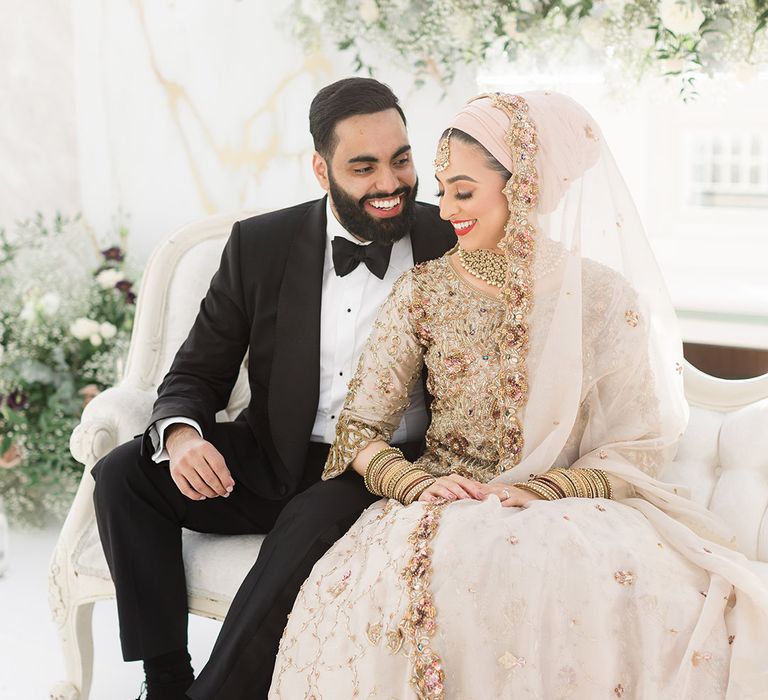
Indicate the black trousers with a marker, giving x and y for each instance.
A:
(140, 513)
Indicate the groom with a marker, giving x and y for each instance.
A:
(298, 290)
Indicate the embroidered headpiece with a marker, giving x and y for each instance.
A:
(443, 156)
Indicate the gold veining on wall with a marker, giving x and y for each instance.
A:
(243, 155)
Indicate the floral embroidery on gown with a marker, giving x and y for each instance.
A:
(579, 598)
(574, 365)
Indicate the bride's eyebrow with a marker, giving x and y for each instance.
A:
(455, 178)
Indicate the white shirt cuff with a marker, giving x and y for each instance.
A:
(157, 435)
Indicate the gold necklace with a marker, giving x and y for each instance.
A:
(484, 264)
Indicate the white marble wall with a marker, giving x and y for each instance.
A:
(186, 109)
(163, 112)
(38, 143)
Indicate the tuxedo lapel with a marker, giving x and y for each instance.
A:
(294, 382)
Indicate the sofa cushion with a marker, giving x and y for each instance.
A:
(215, 565)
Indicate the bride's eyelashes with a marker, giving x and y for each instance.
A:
(458, 195)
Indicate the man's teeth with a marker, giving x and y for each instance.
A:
(385, 203)
(464, 224)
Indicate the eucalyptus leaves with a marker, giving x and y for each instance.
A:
(682, 38)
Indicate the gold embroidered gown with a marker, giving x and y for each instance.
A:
(578, 598)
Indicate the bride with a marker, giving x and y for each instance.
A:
(531, 552)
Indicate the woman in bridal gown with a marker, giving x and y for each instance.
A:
(492, 583)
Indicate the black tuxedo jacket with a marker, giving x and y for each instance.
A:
(266, 297)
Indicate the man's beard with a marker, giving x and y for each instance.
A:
(360, 223)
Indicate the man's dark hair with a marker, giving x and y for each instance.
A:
(346, 98)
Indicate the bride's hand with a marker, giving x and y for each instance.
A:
(510, 496)
(452, 487)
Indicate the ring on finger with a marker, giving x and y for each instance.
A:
(506, 494)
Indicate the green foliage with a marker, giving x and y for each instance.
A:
(65, 322)
(680, 39)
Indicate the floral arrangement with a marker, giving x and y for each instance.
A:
(628, 38)
(65, 322)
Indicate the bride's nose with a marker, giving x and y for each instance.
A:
(447, 209)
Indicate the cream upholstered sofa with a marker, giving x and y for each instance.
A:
(723, 457)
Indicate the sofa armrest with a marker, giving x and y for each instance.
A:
(110, 419)
(113, 417)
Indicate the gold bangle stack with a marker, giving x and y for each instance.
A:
(576, 482)
(390, 474)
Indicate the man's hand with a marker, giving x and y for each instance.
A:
(197, 467)
(452, 487)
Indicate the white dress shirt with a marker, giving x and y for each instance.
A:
(348, 309)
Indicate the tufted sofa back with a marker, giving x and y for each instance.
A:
(174, 282)
(723, 457)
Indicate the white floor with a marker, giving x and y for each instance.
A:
(30, 661)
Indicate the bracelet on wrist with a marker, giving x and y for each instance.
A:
(572, 482)
(391, 475)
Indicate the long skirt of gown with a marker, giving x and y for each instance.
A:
(575, 598)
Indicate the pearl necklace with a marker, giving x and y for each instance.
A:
(484, 264)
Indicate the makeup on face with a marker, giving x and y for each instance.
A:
(471, 198)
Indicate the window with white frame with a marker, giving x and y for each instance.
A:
(728, 169)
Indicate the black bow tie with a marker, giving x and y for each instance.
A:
(347, 256)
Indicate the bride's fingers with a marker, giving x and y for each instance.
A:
(473, 488)
(441, 491)
(456, 489)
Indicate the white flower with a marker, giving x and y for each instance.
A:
(592, 32)
(681, 16)
(107, 330)
(2, 352)
(528, 6)
(616, 6)
(312, 9)
(49, 303)
(28, 311)
(109, 278)
(82, 328)
(510, 27)
(95, 340)
(461, 28)
(642, 38)
(369, 11)
(559, 20)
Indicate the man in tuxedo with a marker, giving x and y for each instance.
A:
(298, 290)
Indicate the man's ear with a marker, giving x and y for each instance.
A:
(320, 169)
